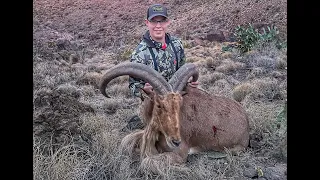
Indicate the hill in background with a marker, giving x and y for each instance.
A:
(77, 130)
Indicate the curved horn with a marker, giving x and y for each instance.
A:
(137, 70)
(180, 78)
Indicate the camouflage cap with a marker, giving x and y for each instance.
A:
(156, 10)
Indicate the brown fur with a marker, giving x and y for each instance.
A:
(131, 142)
(199, 120)
(180, 118)
(212, 122)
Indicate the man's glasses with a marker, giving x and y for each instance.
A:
(155, 22)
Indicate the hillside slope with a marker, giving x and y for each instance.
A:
(117, 23)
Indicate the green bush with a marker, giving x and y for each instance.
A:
(248, 37)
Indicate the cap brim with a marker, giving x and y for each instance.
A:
(154, 15)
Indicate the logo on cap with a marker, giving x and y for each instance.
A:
(157, 9)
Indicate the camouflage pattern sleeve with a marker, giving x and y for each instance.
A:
(182, 59)
(136, 84)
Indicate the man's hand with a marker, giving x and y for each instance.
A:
(193, 84)
(148, 90)
(148, 87)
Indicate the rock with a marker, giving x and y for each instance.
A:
(62, 44)
(254, 144)
(215, 37)
(250, 172)
(255, 139)
(74, 58)
(134, 123)
(275, 173)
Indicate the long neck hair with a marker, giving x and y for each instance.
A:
(149, 138)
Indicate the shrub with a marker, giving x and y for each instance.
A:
(186, 45)
(124, 56)
(240, 91)
(248, 37)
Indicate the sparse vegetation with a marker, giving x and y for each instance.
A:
(77, 131)
(126, 54)
(186, 44)
(240, 91)
(248, 37)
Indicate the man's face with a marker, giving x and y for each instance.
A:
(157, 27)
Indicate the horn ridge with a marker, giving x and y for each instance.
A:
(137, 70)
(181, 77)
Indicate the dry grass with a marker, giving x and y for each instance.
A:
(91, 78)
(68, 162)
(241, 91)
(77, 131)
(228, 65)
(92, 151)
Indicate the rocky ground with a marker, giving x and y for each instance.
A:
(75, 41)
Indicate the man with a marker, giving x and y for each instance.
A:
(157, 49)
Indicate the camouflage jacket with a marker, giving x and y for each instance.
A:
(165, 63)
